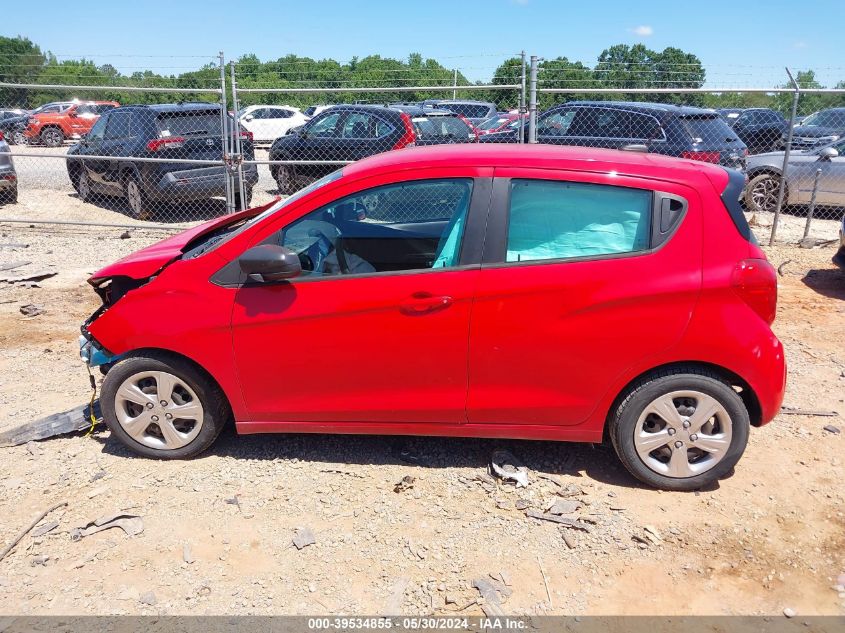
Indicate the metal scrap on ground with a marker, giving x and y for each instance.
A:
(129, 523)
(505, 465)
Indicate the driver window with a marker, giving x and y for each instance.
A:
(325, 127)
(99, 128)
(415, 225)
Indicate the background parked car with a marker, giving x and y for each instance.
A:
(267, 123)
(314, 110)
(352, 132)
(52, 128)
(682, 131)
(498, 123)
(764, 171)
(12, 127)
(474, 111)
(820, 128)
(761, 129)
(174, 131)
(8, 176)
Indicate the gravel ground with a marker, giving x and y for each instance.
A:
(218, 531)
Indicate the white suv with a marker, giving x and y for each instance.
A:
(269, 122)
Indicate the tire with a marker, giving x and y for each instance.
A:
(9, 196)
(687, 452)
(52, 137)
(285, 180)
(248, 202)
(83, 185)
(18, 138)
(761, 193)
(136, 199)
(135, 420)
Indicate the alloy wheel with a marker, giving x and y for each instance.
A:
(134, 198)
(683, 434)
(84, 185)
(764, 194)
(159, 410)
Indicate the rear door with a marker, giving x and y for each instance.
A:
(363, 134)
(118, 135)
(320, 141)
(583, 275)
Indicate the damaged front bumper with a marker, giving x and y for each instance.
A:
(93, 354)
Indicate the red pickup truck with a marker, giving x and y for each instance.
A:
(52, 128)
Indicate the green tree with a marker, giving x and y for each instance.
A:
(21, 62)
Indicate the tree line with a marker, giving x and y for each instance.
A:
(619, 66)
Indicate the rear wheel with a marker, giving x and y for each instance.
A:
(285, 180)
(681, 429)
(18, 138)
(136, 199)
(761, 193)
(52, 137)
(83, 185)
(162, 406)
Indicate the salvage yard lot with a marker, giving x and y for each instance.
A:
(770, 537)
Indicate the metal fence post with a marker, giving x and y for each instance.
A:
(812, 208)
(786, 150)
(455, 84)
(522, 103)
(225, 146)
(236, 141)
(532, 102)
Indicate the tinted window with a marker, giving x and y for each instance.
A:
(325, 126)
(408, 226)
(104, 107)
(363, 125)
(190, 123)
(279, 113)
(601, 123)
(493, 123)
(120, 124)
(441, 127)
(826, 118)
(708, 129)
(645, 127)
(86, 109)
(556, 124)
(560, 220)
(99, 128)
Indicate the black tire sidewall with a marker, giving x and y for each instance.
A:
(749, 201)
(215, 410)
(629, 411)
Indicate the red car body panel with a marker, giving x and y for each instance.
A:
(536, 350)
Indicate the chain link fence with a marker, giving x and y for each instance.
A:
(245, 132)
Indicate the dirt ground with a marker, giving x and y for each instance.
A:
(218, 530)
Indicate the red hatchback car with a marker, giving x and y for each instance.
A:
(525, 291)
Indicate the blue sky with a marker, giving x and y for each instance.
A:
(743, 42)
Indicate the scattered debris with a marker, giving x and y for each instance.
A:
(652, 534)
(41, 560)
(97, 491)
(304, 537)
(570, 543)
(98, 475)
(810, 412)
(42, 529)
(414, 550)
(782, 266)
(505, 577)
(187, 554)
(522, 504)
(494, 594)
(564, 506)
(131, 524)
(32, 525)
(13, 265)
(545, 582)
(507, 466)
(831, 429)
(50, 426)
(36, 276)
(406, 483)
(148, 597)
(31, 310)
(789, 613)
(125, 235)
(565, 521)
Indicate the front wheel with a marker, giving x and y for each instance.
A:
(52, 137)
(285, 180)
(18, 138)
(681, 429)
(136, 199)
(162, 406)
(761, 193)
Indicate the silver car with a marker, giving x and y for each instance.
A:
(8, 176)
(764, 171)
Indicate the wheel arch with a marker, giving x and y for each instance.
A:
(741, 386)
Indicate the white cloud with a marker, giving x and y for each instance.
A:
(643, 30)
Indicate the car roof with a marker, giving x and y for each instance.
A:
(458, 101)
(174, 107)
(644, 107)
(532, 155)
(413, 110)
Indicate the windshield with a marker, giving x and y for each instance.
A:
(216, 238)
(492, 124)
(709, 129)
(825, 118)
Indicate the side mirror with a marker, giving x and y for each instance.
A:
(635, 147)
(270, 262)
(828, 153)
(248, 118)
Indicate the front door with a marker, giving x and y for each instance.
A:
(376, 328)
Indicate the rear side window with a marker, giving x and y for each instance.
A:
(198, 123)
(441, 127)
(119, 125)
(561, 220)
(708, 129)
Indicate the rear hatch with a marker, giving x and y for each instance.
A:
(713, 141)
(439, 129)
(194, 134)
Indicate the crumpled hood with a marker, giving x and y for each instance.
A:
(148, 261)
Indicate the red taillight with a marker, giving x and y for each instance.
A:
(408, 139)
(1, 136)
(165, 143)
(755, 282)
(247, 135)
(705, 157)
